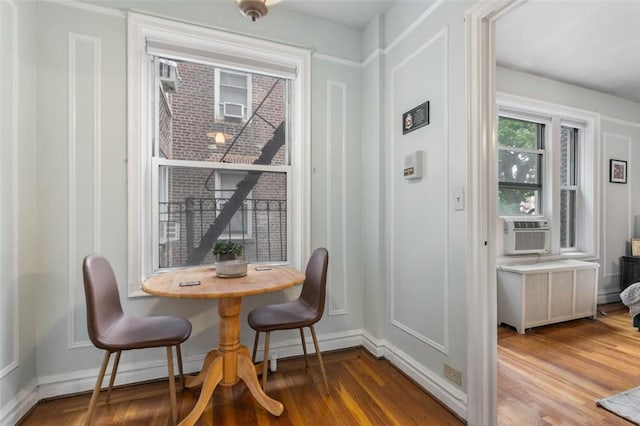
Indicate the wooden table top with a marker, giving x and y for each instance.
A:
(167, 284)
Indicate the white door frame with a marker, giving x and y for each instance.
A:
(481, 270)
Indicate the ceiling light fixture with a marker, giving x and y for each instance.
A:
(253, 9)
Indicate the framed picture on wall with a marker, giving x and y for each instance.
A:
(635, 247)
(617, 171)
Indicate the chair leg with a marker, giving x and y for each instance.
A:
(180, 369)
(255, 347)
(265, 362)
(172, 385)
(96, 389)
(304, 347)
(114, 370)
(315, 343)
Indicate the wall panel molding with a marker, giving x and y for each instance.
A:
(444, 345)
(76, 130)
(606, 138)
(337, 143)
(8, 92)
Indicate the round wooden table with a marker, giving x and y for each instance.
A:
(231, 361)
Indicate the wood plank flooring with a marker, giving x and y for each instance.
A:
(364, 391)
(550, 376)
(553, 375)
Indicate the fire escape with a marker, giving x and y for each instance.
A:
(244, 187)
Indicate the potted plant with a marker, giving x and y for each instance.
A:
(227, 250)
(228, 264)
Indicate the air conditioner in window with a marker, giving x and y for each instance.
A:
(168, 75)
(524, 235)
(230, 109)
(168, 231)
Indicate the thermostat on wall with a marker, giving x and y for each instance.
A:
(413, 165)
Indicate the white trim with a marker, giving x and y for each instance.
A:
(220, 166)
(481, 213)
(89, 7)
(72, 267)
(343, 194)
(336, 60)
(140, 186)
(446, 201)
(554, 116)
(12, 98)
(451, 396)
(22, 402)
(374, 55)
(441, 347)
(415, 24)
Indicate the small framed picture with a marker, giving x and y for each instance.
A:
(635, 247)
(617, 171)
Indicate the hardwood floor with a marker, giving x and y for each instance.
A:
(550, 376)
(553, 375)
(364, 391)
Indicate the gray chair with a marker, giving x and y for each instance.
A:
(302, 312)
(114, 331)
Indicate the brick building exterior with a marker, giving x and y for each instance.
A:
(193, 197)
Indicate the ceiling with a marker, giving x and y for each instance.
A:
(355, 14)
(593, 44)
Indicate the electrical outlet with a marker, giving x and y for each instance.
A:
(452, 374)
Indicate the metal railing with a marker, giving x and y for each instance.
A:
(260, 225)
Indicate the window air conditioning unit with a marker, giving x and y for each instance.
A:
(169, 231)
(233, 110)
(524, 235)
(168, 74)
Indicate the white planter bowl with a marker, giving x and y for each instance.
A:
(231, 268)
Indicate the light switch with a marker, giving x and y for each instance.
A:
(458, 199)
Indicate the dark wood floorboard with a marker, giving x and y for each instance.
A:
(554, 374)
(364, 391)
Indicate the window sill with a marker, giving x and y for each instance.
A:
(137, 294)
(534, 258)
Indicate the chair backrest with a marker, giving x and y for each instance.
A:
(103, 299)
(315, 284)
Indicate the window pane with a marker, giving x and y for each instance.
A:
(257, 219)
(233, 79)
(567, 218)
(189, 128)
(568, 147)
(519, 133)
(519, 167)
(513, 202)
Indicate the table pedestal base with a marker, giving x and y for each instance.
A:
(227, 365)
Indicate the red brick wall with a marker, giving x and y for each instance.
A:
(183, 135)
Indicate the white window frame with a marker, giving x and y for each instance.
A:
(246, 110)
(588, 159)
(520, 114)
(142, 190)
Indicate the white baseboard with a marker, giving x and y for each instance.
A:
(454, 398)
(84, 380)
(610, 297)
(19, 405)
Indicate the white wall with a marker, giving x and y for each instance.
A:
(619, 138)
(73, 60)
(397, 279)
(18, 207)
(426, 238)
